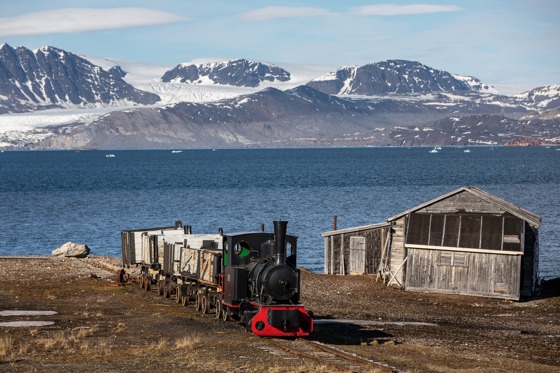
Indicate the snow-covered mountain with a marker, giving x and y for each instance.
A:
(148, 77)
(80, 94)
(476, 85)
(301, 116)
(270, 117)
(50, 77)
(545, 97)
(394, 77)
(239, 73)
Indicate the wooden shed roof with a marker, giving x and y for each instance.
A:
(355, 229)
(529, 217)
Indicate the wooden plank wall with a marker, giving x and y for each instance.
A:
(334, 255)
(398, 252)
(530, 261)
(484, 274)
(461, 202)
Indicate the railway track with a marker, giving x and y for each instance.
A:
(324, 354)
(330, 356)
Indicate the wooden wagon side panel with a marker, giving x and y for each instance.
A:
(205, 266)
(168, 257)
(189, 260)
(158, 251)
(125, 247)
(177, 258)
(146, 249)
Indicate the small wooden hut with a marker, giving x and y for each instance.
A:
(355, 250)
(464, 242)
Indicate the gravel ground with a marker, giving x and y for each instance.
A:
(103, 327)
(47, 268)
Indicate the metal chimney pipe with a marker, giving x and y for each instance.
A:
(280, 228)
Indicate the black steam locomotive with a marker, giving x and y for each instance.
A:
(247, 276)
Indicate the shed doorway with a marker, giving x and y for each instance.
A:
(357, 255)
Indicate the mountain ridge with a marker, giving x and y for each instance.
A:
(238, 72)
(393, 77)
(49, 77)
(301, 116)
(229, 107)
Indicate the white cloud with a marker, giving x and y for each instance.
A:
(394, 10)
(272, 12)
(74, 20)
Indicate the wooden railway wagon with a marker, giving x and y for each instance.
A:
(177, 261)
(251, 276)
(134, 240)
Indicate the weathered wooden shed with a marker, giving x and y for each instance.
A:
(464, 242)
(355, 250)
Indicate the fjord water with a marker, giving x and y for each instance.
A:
(48, 198)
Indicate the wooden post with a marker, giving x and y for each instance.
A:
(334, 223)
(332, 255)
(326, 255)
(342, 255)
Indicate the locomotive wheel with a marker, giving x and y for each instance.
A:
(178, 294)
(185, 300)
(205, 304)
(218, 309)
(168, 289)
(160, 287)
(198, 300)
(225, 313)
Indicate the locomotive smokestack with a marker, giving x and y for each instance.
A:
(280, 228)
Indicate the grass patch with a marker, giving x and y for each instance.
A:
(6, 346)
(188, 342)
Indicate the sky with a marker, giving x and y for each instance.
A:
(496, 41)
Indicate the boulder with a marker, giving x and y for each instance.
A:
(74, 250)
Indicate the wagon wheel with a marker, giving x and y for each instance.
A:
(225, 313)
(218, 309)
(142, 280)
(198, 302)
(178, 294)
(168, 289)
(160, 287)
(185, 300)
(148, 283)
(205, 304)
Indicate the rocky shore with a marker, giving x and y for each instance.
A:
(531, 141)
(97, 326)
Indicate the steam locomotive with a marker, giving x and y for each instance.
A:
(248, 276)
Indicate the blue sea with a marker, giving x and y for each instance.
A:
(48, 198)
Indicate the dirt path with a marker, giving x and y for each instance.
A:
(101, 327)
